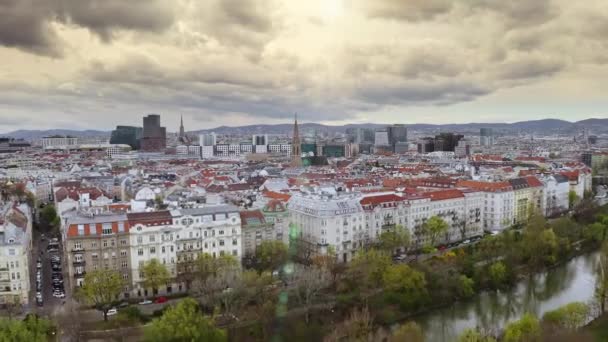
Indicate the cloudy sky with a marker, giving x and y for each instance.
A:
(98, 63)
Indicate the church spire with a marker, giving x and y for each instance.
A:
(182, 133)
(296, 148)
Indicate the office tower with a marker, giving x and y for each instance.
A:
(296, 147)
(207, 142)
(396, 134)
(381, 138)
(486, 137)
(426, 145)
(447, 141)
(260, 143)
(154, 137)
(127, 135)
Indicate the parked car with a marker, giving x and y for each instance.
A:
(112, 311)
(161, 300)
(59, 294)
(145, 302)
(38, 265)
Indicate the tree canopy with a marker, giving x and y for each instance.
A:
(31, 329)
(155, 274)
(184, 323)
(101, 288)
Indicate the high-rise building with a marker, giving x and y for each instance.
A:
(154, 137)
(127, 135)
(396, 134)
(260, 143)
(447, 142)
(296, 147)
(359, 135)
(381, 138)
(486, 137)
(426, 145)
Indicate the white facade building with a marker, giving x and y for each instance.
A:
(15, 253)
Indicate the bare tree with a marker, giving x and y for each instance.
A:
(308, 282)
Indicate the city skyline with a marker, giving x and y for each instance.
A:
(79, 66)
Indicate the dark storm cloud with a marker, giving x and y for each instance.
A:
(104, 16)
(27, 24)
(411, 10)
(417, 93)
(530, 68)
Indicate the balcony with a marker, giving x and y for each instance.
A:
(79, 275)
(79, 263)
(77, 250)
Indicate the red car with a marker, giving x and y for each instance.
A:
(160, 300)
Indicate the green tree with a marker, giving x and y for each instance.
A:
(471, 335)
(49, 220)
(101, 288)
(498, 274)
(155, 275)
(466, 286)
(410, 332)
(270, 255)
(31, 329)
(527, 329)
(572, 199)
(539, 244)
(184, 323)
(434, 227)
(407, 284)
(568, 317)
(601, 279)
(392, 239)
(366, 270)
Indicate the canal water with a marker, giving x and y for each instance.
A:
(490, 311)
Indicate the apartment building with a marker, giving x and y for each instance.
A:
(556, 192)
(97, 240)
(325, 222)
(181, 235)
(498, 203)
(15, 252)
(527, 198)
(254, 230)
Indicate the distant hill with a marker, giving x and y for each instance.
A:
(39, 134)
(596, 126)
(538, 126)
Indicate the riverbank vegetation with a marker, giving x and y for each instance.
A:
(325, 300)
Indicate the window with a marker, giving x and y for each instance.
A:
(123, 264)
(171, 248)
(94, 256)
(105, 243)
(121, 227)
(123, 242)
(152, 238)
(221, 242)
(81, 229)
(106, 229)
(221, 232)
(140, 251)
(235, 242)
(221, 253)
(162, 249)
(11, 251)
(92, 230)
(152, 250)
(77, 245)
(125, 276)
(123, 253)
(235, 252)
(93, 244)
(140, 239)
